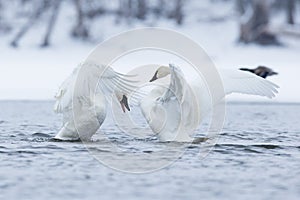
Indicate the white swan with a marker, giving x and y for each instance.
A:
(175, 110)
(82, 99)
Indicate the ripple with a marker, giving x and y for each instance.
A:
(95, 149)
(147, 151)
(48, 147)
(45, 135)
(265, 146)
(250, 148)
(18, 152)
(268, 146)
(26, 152)
(19, 133)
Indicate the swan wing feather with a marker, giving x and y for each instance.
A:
(236, 81)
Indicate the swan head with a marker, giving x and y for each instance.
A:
(122, 98)
(161, 72)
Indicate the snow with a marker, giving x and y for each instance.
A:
(30, 72)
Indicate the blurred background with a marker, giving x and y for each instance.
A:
(41, 41)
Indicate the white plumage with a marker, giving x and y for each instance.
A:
(237, 81)
(176, 110)
(83, 96)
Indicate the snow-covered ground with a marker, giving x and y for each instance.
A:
(29, 72)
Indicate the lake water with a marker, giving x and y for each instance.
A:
(257, 156)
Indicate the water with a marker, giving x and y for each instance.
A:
(257, 157)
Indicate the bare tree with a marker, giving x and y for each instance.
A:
(119, 12)
(256, 27)
(52, 21)
(128, 11)
(291, 5)
(240, 6)
(159, 9)
(0, 9)
(80, 30)
(177, 13)
(141, 9)
(1, 23)
(125, 11)
(35, 16)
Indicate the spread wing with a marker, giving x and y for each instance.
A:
(236, 81)
(86, 80)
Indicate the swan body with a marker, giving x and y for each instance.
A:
(177, 109)
(82, 99)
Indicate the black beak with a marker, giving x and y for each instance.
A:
(124, 104)
(248, 70)
(154, 77)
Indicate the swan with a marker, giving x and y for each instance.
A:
(175, 110)
(82, 99)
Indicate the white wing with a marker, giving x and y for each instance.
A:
(177, 84)
(64, 94)
(89, 79)
(236, 81)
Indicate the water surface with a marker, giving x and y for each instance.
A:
(257, 157)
